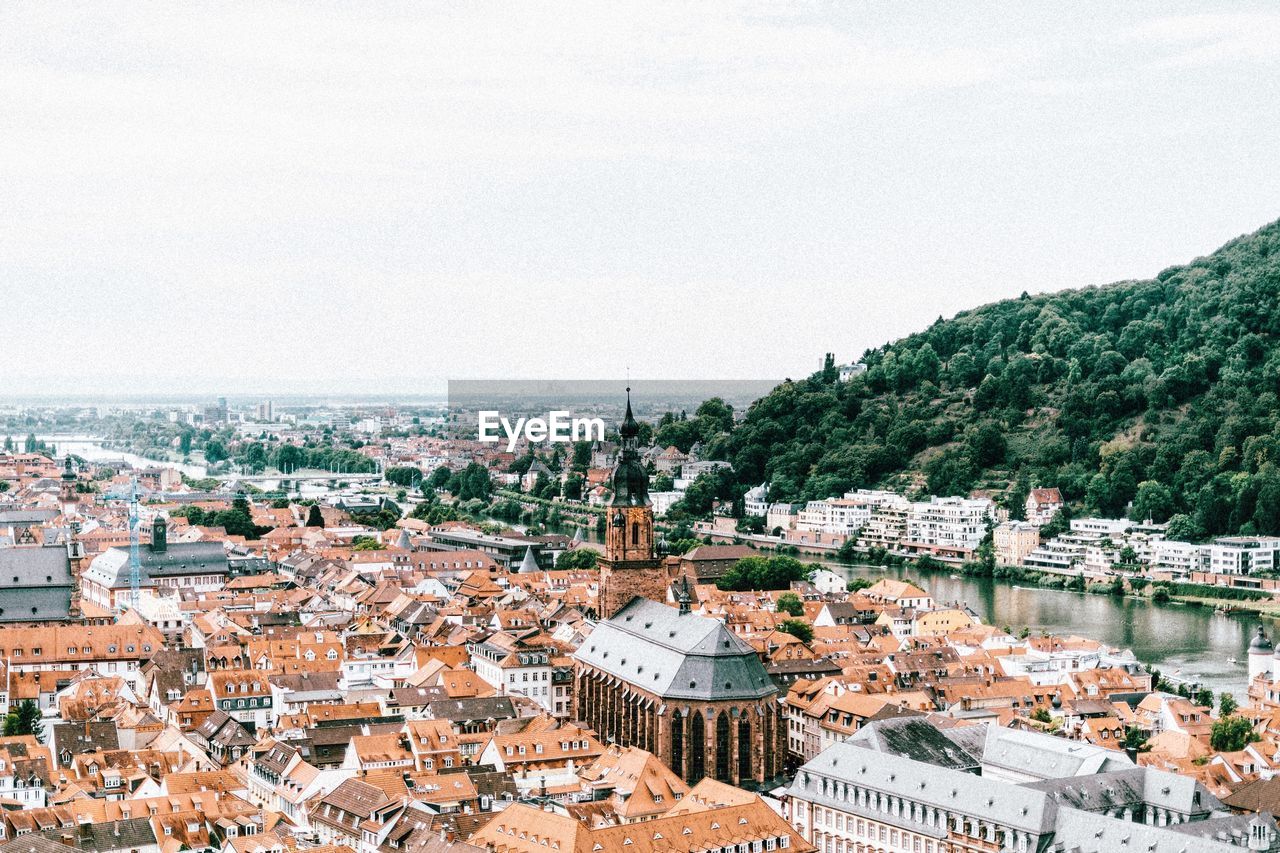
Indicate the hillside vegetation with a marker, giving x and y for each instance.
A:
(1154, 398)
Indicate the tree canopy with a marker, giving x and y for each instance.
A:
(1160, 398)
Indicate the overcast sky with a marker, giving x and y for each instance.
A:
(342, 197)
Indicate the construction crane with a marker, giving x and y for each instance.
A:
(135, 557)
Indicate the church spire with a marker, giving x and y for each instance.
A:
(629, 429)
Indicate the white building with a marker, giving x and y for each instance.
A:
(756, 500)
(780, 515)
(837, 516)
(887, 525)
(953, 525)
(1180, 558)
(663, 501)
(1243, 555)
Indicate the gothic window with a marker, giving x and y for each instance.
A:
(697, 749)
(677, 742)
(635, 533)
(744, 750)
(723, 747)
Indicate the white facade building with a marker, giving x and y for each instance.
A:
(1243, 555)
(950, 524)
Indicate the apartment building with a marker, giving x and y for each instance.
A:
(1178, 558)
(887, 525)
(1014, 541)
(1243, 555)
(948, 527)
(836, 516)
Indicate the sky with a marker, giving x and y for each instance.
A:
(227, 198)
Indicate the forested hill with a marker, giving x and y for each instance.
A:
(1163, 393)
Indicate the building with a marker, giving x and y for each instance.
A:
(36, 584)
(245, 695)
(887, 525)
(506, 551)
(1042, 505)
(756, 501)
(1178, 558)
(109, 649)
(906, 793)
(195, 566)
(1014, 540)
(947, 527)
(683, 687)
(1243, 555)
(515, 668)
(710, 817)
(708, 563)
(781, 516)
(664, 501)
(836, 516)
(630, 566)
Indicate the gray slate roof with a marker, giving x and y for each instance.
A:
(1086, 832)
(846, 763)
(1039, 755)
(129, 834)
(1134, 787)
(111, 568)
(35, 583)
(918, 739)
(676, 655)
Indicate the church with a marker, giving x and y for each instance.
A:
(661, 678)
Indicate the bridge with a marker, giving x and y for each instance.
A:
(303, 475)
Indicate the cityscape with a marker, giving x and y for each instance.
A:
(710, 428)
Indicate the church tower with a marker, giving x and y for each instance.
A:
(67, 489)
(631, 566)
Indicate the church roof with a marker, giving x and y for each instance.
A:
(675, 655)
(35, 583)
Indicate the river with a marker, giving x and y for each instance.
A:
(91, 448)
(1188, 643)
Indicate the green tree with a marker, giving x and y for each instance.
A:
(25, 719)
(406, 476)
(797, 628)
(1136, 739)
(573, 487)
(1153, 501)
(856, 584)
(763, 573)
(986, 444)
(314, 517)
(578, 558)
(1226, 705)
(790, 604)
(1232, 734)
